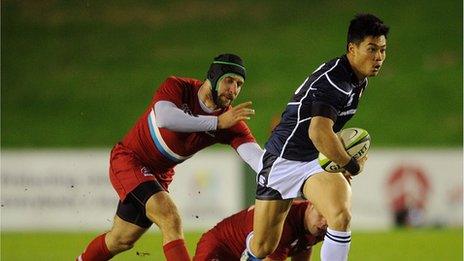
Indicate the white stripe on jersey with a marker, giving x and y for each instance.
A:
(299, 107)
(303, 120)
(336, 87)
(348, 112)
(160, 143)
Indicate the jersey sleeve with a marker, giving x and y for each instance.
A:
(170, 90)
(325, 100)
(236, 135)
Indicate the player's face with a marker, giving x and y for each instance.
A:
(315, 222)
(368, 56)
(229, 88)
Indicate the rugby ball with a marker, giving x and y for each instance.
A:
(356, 141)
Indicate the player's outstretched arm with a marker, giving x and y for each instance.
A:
(169, 116)
(238, 113)
(251, 153)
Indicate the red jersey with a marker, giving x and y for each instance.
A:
(232, 233)
(161, 149)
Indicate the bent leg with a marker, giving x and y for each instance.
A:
(331, 195)
(96, 250)
(268, 222)
(122, 235)
(162, 211)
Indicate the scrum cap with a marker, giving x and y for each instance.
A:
(223, 64)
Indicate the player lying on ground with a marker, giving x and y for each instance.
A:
(303, 228)
(320, 106)
(184, 116)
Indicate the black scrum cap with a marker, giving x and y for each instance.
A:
(223, 64)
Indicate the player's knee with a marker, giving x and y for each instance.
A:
(339, 220)
(174, 226)
(117, 243)
(169, 221)
(125, 245)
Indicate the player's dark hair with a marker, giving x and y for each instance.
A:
(223, 64)
(365, 25)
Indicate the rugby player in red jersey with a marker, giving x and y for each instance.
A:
(303, 228)
(184, 116)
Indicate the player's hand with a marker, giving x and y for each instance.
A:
(361, 162)
(234, 115)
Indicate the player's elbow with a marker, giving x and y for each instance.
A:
(316, 135)
(161, 122)
(164, 111)
(319, 128)
(312, 136)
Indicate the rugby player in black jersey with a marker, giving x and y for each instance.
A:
(320, 107)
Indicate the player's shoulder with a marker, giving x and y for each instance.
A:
(176, 80)
(338, 74)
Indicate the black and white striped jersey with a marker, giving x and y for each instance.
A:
(331, 91)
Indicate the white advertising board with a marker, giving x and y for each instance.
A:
(70, 189)
(428, 182)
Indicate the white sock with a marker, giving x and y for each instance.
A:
(336, 245)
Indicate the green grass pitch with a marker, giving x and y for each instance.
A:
(420, 244)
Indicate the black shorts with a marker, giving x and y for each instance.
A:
(132, 209)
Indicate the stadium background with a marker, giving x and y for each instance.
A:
(78, 74)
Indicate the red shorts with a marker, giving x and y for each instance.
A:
(209, 248)
(127, 171)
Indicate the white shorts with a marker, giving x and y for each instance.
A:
(280, 178)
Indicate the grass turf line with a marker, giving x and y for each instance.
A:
(420, 244)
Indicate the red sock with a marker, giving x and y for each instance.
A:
(96, 251)
(176, 251)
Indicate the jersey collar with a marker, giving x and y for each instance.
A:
(354, 80)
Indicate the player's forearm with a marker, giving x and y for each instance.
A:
(326, 141)
(169, 116)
